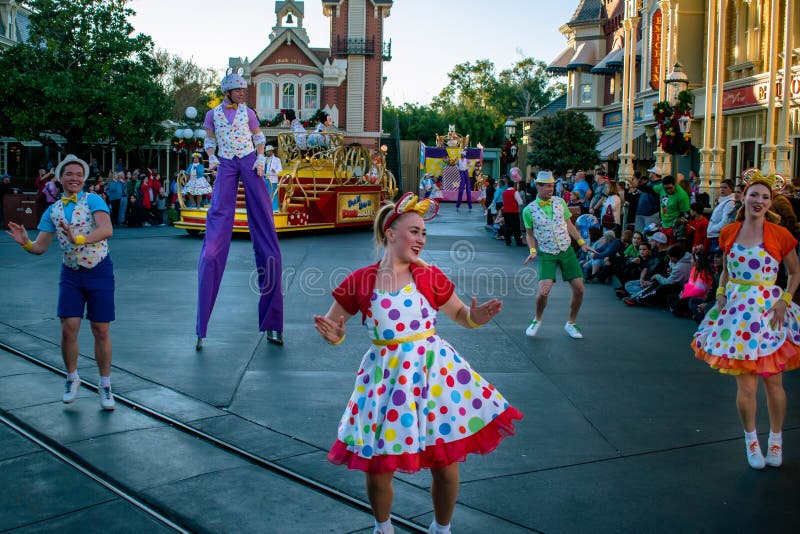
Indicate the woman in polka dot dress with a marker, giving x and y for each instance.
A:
(417, 403)
(754, 329)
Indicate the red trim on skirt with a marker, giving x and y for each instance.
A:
(438, 455)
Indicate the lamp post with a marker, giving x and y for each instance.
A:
(676, 81)
(510, 127)
(510, 145)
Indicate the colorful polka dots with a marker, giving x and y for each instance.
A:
(409, 395)
(742, 330)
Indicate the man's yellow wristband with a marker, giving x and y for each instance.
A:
(581, 242)
(533, 250)
(27, 246)
(80, 239)
(786, 297)
(721, 291)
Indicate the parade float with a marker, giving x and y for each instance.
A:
(439, 163)
(329, 185)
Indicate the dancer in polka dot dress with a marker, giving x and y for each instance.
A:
(417, 403)
(754, 329)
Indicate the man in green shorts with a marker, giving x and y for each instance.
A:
(548, 227)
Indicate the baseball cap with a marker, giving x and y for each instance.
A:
(658, 237)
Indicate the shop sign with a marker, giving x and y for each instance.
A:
(614, 118)
(655, 49)
(357, 207)
(752, 95)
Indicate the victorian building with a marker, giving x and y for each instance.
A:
(344, 80)
(14, 28)
(740, 59)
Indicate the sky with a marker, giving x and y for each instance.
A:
(429, 37)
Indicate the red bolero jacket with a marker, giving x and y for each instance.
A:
(354, 293)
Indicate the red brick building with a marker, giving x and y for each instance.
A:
(345, 80)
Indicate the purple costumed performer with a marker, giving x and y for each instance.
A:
(233, 131)
(463, 184)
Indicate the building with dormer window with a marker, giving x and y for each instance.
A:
(344, 80)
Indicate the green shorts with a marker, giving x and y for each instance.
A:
(570, 268)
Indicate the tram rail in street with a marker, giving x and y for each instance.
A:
(254, 459)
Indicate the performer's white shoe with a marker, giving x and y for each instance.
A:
(573, 331)
(273, 336)
(533, 328)
(199, 345)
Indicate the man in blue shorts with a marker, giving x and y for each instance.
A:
(82, 224)
(550, 233)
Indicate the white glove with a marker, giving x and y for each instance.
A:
(213, 162)
(261, 161)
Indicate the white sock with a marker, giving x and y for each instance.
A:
(440, 529)
(777, 439)
(72, 376)
(385, 527)
(750, 437)
(105, 381)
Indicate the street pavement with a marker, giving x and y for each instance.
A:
(624, 431)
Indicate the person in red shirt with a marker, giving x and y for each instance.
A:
(511, 203)
(699, 225)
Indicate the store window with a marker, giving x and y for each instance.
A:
(266, 97)
(586, 93)
(796, 155)
(749, 156)
(311, 96)
(287, 96)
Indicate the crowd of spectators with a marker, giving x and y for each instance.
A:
(656, 238)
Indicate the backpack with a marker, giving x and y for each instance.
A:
(608, 221)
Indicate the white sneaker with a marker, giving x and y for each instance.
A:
(573, 330)
(71, 390)
(774, 454)
(754, 456)
(533, 328)
(106, 398)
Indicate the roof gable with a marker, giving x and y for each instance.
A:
(292, 47)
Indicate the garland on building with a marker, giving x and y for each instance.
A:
(672, 141)
(182, 146)
(278, 119)
(508, 152)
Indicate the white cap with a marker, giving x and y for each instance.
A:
(658, 237)
(545, 177)
(655, 170)
(268, 148)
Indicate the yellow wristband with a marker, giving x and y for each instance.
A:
(341, 339)
(470, 322)
(80, 239)
(786, 297)
(27, 246)
(581, 242)
(721, 291)
(533, 250)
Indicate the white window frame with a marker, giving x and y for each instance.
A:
(266, 95)
(315, 105)
(283, 95)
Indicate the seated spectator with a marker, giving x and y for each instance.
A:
(608, 247)
(649, 264)
(595, 240)
(701, 278)
(698, 307)
(499, 226)
(662, 286)
(628, 249)
(135, 213)
(698, 226)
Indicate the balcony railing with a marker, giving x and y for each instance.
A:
(362, 47)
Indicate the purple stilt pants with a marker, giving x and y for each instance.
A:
(217, 243)
(464, 185)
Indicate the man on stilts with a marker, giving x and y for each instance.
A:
(233, 131)
(464, 185)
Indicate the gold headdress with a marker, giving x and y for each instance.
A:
(774, 182)
(427, 208)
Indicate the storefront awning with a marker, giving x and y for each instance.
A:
(584, 58)
(610, 143)
(619, 60)
(559, 64)
(610, 64)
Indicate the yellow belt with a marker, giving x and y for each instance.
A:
(405, 339)
(752, 282)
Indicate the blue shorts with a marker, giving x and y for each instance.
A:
(91, 290)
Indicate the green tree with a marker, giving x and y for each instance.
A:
(525, 87)
(187, 83)
(471, 86)
(84, 76)
(563, 141)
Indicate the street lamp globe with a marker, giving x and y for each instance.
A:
(191, 112)
(685, 123)
(510, 127)
(676, 81)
